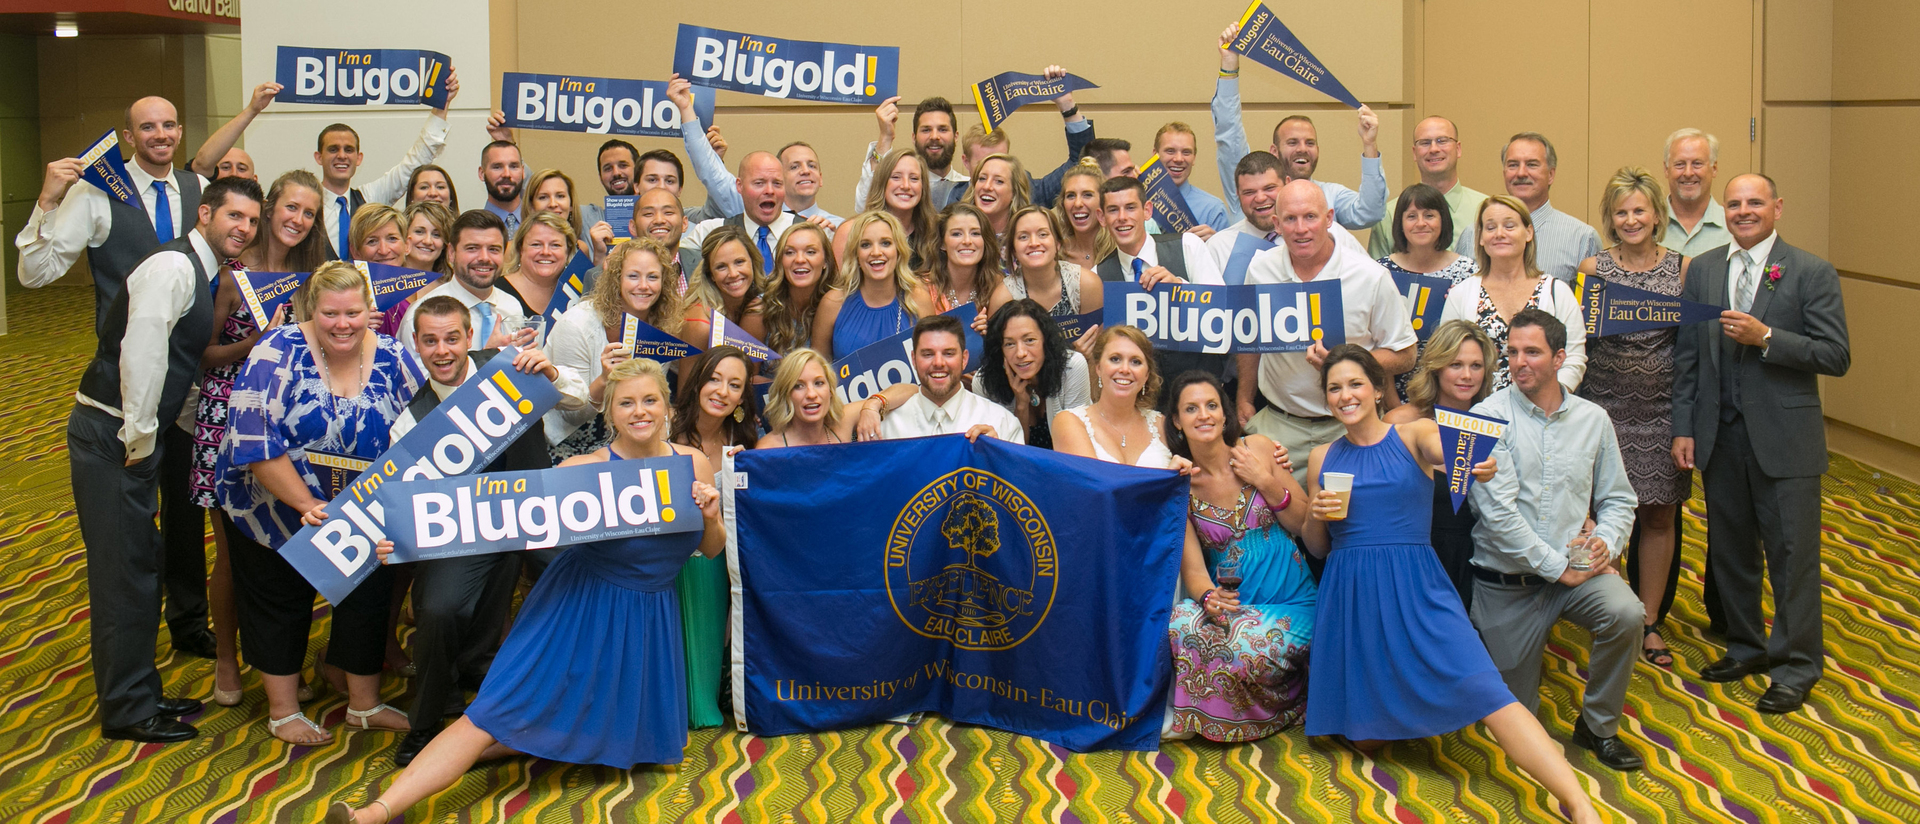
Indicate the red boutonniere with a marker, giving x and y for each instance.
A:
(1774, 273)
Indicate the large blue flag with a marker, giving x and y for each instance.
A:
(1265, 39)
(993, 583)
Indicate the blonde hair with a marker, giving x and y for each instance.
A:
(1531, 255)
(610, 304)
(1175, 127)
(1626, 181)
(1423, 384)
(332, 276)
(368, 218)
(441, 217)
(978, 136)
(1148, 391)
(1103, 243)
(638, 368)
(549, 220)
(777, 311)
(533, 187)
(910, 287)
(1713, 144)
(1022, 184)
(780, 412)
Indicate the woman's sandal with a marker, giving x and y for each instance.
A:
(342, 813)
(274, 725)
(363, 715)
(1661, 657)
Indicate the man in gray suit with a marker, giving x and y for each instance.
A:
(1752, 381)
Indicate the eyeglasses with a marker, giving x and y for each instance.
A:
(1442, 142)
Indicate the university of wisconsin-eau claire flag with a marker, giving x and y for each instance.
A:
(595, 105)
(1467, 439)
(362, 77)
(996, 97)
(779, 67)
(1169, 205)
(1268, 42)
(993, 583)
(463, 434)
(1268, 318)
(1617, 309)
(106, 169)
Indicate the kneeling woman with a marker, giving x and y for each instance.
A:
(1239, 649)
(592, 671)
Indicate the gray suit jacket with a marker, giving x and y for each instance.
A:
(1780, 393)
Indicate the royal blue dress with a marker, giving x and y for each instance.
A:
(1394, 656)
(859, 325)
(593, 672)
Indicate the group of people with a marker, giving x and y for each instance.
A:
(1320, 522)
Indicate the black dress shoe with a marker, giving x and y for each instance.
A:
(1781, 698)
(156, 730)
(1609, 749)
(411, 746)
(197, 643)
(176, 707)
(1731, 669)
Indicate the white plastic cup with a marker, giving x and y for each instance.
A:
(1341, 485)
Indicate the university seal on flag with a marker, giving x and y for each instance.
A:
(971, 560)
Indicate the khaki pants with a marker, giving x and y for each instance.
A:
(1298, 435)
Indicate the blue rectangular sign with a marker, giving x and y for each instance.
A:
(463, 434)
(619, 213)
(1426, 297)
(595, 105)
(484, 513)
(1269, 318)
(888, 361)
(993, 583)
(362, 77)
(778, 67)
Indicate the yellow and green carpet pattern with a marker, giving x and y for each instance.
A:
(1851, 755)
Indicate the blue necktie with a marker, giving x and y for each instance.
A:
(346, 220)
(162, 212)
(766, 251)
(486, 323)
(1139, 267)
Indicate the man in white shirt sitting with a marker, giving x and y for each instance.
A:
(478, 249)
(944, 406)
(1373, 313)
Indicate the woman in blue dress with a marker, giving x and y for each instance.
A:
(1239, 651)
(1394, 656)
(876, 295)
(592, 672)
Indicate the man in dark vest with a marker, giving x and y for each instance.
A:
(460, 604)
(338, 153)
(147, 361)
(1151, 260)
(68, 220)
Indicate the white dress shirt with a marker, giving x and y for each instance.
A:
(1757, 260)
(505, 307)
(1373, 311)
(49, 244)
(1220, 246)
(574, 345)
(920, 417)
(389, 188)
(159, 292)
(694, 236)
(1200, 265)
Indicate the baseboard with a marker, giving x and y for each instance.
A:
(1872, 448)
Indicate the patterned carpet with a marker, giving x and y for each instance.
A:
(1851, 755)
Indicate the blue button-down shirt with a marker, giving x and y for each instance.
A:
(1553, 468)
(1354, 210)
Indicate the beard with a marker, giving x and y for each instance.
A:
(505, 190)
(938, 156)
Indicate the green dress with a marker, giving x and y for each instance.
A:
(703, 590)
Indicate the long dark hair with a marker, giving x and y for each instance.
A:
(1053, 365)
(1230, 427)
(1376, 375)
(686, 404)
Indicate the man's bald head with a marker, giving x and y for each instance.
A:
(1303, 221)
(153, 127)
(762, 187)
(1751, 179)
(236, 163)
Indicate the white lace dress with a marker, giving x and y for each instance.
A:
(1155, 456)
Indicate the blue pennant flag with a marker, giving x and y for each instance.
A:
(644, 340)
(1269, 318)
(362, 77)
(1073, 326)
(265, 292)
(996, 97)
(106, 169)
(619, 213)
(573, 283)
(783, 68)
(885, 362)
(1265, 39)
(595, 105)
(1169, 206)
(993, 583)
(1426, 297)
(727, 332)
(507, 511)
(392, 284)
(1617, 309)
(1244, 248)
(464, 433)
(1467, 439)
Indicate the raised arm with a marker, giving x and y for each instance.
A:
(1229, 136)
(207, 161)
(707, 164)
